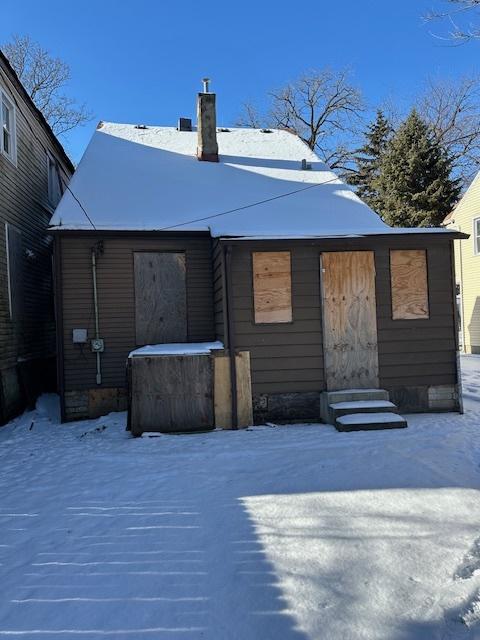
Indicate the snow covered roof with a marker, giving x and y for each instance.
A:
(134, 178)
(177, 349)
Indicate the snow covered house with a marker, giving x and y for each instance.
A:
(242, 237)
(34, 169)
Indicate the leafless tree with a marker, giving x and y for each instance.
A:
(251, 117)
(44, 77)
(452, 108)
(322, 108)
(459, 29)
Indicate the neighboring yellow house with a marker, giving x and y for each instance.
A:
(466, 217)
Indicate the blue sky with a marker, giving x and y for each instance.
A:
(142, 61)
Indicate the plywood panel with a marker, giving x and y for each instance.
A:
(171, 393)
(272, 286)
(408, 269)
(160, 298)
(349, 318)
(223, 392)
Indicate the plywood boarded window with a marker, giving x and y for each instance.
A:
(272, 286)
(160, 298)
(408, 269)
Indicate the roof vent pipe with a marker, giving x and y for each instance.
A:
(207, 146)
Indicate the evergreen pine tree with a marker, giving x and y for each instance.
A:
(415, 188)
(368, 158)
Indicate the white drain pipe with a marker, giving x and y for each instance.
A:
(96, 343)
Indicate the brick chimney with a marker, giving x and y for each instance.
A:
(207, 147)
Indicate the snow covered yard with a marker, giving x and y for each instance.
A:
(288, 533)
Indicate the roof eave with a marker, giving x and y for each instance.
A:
(447, 233)
(36, 112)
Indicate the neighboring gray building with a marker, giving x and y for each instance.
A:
(34, 170)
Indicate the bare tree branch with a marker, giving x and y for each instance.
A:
(44, 78)
(250, 117)
(452, 109)
(322, 108)
(458, 31)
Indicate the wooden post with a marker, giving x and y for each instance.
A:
(231, 334)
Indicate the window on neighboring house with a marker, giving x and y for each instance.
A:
(272, 286)
(409, 281)
(8, 143)
(476, 236)
(54, 183)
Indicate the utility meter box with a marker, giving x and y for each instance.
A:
(79, 336)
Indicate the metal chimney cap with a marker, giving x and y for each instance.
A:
(206, 83)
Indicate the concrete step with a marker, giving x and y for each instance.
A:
(348, 395)
(352, 395)
(338, 409)
(369, 422)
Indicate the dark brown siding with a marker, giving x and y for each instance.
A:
(285, 357)
(288, 357)
(116, 298)
(218, 290)
(24, 205)
(418, 352)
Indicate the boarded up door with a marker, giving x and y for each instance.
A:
(160, 298)
(349, 320)
(171, 393)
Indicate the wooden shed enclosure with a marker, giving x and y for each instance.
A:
(170, 393)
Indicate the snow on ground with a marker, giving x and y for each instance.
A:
(290, 533)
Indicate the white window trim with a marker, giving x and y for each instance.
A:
(11, 157)
(476, 236)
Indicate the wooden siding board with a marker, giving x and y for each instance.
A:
(273, 352)
(117, 302)
(24, 204)
(427, 342)
(219, 298)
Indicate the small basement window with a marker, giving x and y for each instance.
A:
(8, 141)
(409, 281)
(272, 286)
(476, 236)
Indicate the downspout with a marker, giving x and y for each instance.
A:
(455, 327)
(96, 250)
(231, 334)
(58, 302)
(462, 305)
